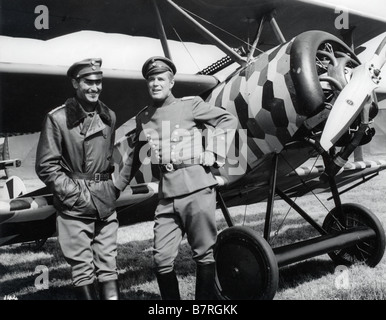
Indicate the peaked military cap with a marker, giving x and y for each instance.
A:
(90, 68)
(156, 65)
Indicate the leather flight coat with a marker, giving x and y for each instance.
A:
(66, 146)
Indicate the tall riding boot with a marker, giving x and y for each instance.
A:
(109, 290)
(168, 286)
(205, 282)
(86, 292)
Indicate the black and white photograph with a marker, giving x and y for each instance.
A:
(185, 150)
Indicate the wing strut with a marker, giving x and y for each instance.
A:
(210, 36)
(161, 31)
(254, 45)
(270, 17)
(275, 27)
(271, 198)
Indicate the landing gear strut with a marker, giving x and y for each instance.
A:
(248, 268)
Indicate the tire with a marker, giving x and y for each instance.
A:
(246, 267)
(370, 251)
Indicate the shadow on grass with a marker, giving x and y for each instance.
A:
(135, 265)
(294, 275)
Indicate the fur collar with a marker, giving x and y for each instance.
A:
(75, 113)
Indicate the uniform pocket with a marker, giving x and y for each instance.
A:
(83, 201)
(68, 192)
(104, 197)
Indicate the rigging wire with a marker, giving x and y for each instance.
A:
(304, 184)
(217, 27)
(183, 43)
(221, 29)
(186, 48)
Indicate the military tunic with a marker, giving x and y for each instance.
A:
(174, 134)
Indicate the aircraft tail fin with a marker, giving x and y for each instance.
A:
(14, 187)
(18, 161)
(19, 155)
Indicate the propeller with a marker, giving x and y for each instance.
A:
(354, 96)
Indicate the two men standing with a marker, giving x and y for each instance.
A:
(74, 159)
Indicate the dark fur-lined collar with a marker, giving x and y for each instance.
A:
(75, 113)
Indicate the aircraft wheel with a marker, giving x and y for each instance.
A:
(246, 267)
(354, 215)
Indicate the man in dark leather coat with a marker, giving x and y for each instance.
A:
(74, 159)
(172, 129)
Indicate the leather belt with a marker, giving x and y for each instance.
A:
(90, 176)
(170, 167)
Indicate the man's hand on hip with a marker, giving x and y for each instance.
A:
(207, 158)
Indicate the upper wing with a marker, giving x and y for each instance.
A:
(234, 21)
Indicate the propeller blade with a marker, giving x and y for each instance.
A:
(353, 98)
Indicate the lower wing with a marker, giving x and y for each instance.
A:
(32, 217)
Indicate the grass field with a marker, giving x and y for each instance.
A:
(23, 268)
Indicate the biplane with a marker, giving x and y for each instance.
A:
(301, 86)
